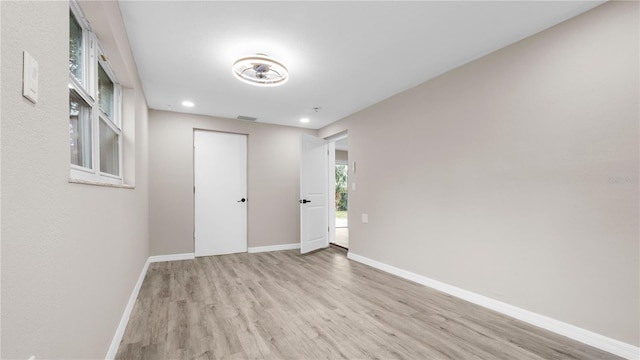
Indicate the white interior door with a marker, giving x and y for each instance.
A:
(314, 212)
(220, 192)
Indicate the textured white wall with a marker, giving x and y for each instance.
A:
(273, 180)
(71, 253)
(515, 176)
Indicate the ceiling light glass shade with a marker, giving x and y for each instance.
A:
(260, 70)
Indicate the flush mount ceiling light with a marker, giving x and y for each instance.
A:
(260, 70)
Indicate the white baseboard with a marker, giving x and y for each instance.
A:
(124, 320)
(171, 257)
(602, 342)
(258, 249)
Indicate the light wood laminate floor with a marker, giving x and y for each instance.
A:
(282, 305)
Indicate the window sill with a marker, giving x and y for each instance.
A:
(94, 183)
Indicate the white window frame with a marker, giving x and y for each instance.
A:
(87, 89)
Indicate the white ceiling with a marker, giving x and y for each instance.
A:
(342, 56)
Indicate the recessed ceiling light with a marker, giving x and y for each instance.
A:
(260, 70)
(304, 120)
(188, 103)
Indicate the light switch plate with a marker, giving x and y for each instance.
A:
(30, 78)
(365, 218)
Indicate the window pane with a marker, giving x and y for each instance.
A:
(109, 147)
(105, 92)
(75, 48)
(79, 130)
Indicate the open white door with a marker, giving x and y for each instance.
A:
(314, 213)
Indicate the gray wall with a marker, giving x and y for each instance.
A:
(273, 180)
(71, 253)
(342, 157)
(518, 177)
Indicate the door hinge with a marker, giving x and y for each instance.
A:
(194, 189)
(328, 229)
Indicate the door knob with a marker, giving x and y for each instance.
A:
(304, 201)
(242, 200)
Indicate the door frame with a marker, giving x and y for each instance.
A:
(332, 180)
(332, 191)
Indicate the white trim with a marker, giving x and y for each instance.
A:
(602, 342)
(124, 320)
(331, 193)
(258, 249)
(339, 136)
(83, 182)
(171, 257)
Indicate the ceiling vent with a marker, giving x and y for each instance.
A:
(246, 118)
(260, 70)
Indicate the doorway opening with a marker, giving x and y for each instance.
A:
(341, 204)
